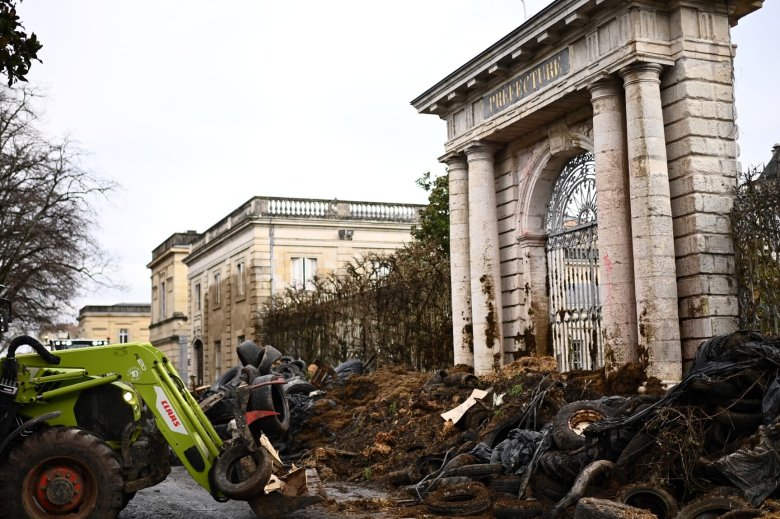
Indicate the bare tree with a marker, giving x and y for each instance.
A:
(47, 249)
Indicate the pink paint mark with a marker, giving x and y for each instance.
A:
(607, 264)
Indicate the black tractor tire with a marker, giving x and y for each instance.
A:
(42, 475)
(459, 500)
(546, 487)
(742, 513)
(569, 421)
(517, 509)
(735, 420)
(714, 389)
(478, 471)
(593, 508)
(712, 506)
(303, 388)
(657, 500)
(230, 378)
(509, 484)
(638, 445)
(248, 353)
(267, 358)
(228, 477)
(270, 398)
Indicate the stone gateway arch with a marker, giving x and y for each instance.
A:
(630, 102)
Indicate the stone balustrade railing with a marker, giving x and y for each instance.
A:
(259, 207)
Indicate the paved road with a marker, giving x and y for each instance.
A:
(179, 497)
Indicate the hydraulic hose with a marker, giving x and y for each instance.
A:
(39, 348)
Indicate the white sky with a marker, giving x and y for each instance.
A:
(193, 107)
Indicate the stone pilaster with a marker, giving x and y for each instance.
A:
(485, 266)
(460, 273)
(698, 102)
(614, 224)
(651, 224)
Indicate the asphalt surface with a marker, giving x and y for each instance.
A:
(179, 497)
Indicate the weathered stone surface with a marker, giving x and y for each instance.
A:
(664, 231)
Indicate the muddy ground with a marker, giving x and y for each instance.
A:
(366, 429)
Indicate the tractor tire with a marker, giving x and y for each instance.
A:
(712, 506)
(267, 358)
(248, 353)
(572, 419)
(654, 499)
(544, 486)
(270, 398)
(228, 477)
(507, 484)
(62, 471)
(460, 500)
(593, 508)
(735, 420)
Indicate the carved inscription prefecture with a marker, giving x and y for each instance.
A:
(526, 83)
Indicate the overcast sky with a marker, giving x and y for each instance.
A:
(193, 107)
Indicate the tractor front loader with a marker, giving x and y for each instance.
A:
(83, 430)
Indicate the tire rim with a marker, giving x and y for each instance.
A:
(580, 420)
(60, 486)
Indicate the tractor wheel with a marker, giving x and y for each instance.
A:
(62, 471)
(240, 473)
(270, 398)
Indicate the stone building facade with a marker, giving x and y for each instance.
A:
(119, 323)
(169, 330)
(592, 158)
(263, 247)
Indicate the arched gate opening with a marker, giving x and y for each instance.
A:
(573, 267)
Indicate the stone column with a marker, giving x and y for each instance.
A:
(651, 224)
(485, 263)
(616, 286)
(460, 274)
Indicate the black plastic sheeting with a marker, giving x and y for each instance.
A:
(516, 451)
(756, 471)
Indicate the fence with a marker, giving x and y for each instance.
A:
(395, 309)
(756, 231)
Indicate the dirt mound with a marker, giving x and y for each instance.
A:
(371, 425)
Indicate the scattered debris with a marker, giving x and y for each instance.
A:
(531, 441)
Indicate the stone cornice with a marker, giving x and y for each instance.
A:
(557, 25)
(513, 50)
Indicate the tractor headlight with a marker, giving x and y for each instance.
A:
(131, 398)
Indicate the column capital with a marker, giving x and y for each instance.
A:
(453, 159)
(642, 71)
(480, 150)
(609, 86)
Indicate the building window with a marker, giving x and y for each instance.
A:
(163, 297)
(303, 272)
(379, 269)
(240, 284)
(197, 297)
(217, 359)
(217, 288)
(124, 336)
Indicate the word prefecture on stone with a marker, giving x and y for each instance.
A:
(526, 83)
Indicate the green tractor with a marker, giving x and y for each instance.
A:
(83, 430)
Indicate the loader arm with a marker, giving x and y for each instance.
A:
(147, 374)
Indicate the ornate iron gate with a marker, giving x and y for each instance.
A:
(573, 267)
(755, 221)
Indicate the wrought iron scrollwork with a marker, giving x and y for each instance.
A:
(573, 200)
(573, 267)
(755, 220)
